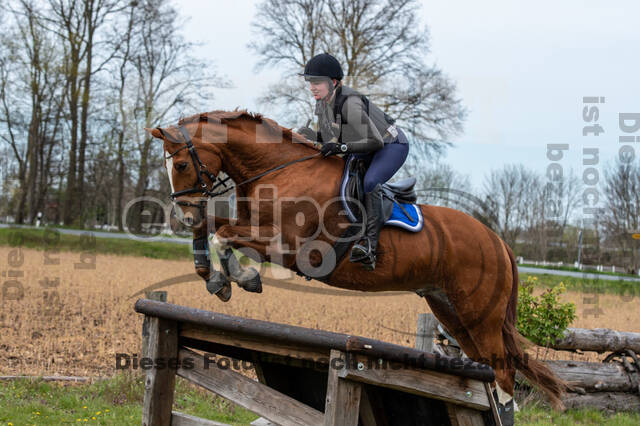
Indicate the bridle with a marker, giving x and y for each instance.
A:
(216, 182)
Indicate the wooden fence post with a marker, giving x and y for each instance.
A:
(427, 328)
(160, 380)
(160, 296)
(343, 396)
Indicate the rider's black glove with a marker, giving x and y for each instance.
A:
(308, 133)
(332, 148)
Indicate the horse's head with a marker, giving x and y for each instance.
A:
(192, 167)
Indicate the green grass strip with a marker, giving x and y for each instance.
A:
(50, 239)
(115, 401)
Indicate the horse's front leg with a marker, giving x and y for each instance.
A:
(222, 241)
(217, 282)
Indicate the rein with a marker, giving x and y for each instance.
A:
(201, 186)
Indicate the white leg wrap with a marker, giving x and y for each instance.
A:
(503, 397)
(217, 244)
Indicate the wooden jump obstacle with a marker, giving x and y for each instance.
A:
(306, 376)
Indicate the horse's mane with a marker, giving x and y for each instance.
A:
(237, 117)
(228, 117)
(233, 118)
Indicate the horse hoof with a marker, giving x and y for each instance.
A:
(225, 293)
(250, 280)
(219, 285)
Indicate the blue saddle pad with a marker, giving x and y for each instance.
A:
(412, 220)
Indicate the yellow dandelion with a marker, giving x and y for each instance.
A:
(98, 412)
(84, 406)
(93, 418)
(38, 412)
(106, 411)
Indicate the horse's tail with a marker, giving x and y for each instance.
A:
(537, 372)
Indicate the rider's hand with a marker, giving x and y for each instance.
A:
(331, 148)
(308, 133)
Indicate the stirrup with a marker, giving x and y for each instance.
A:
(360, 253)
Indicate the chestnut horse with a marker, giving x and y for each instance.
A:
(466, 273)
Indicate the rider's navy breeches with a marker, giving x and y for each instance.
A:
(385, 162)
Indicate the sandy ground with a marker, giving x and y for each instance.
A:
(69, 313)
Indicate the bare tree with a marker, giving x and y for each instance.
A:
(620, 215)
(169, 79)
(31, 105)
(77, 25)
(508, 192)
(78, 82)
(382, 48)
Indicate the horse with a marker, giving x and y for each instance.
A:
(466, 273)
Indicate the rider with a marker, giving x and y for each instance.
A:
(349, 123)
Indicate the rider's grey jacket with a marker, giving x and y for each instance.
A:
(362, 132)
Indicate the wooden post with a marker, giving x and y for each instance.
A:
(343, 396)
(160, 382)
(160, 296)
(427, 328)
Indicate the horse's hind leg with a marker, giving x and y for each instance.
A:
(446, 314)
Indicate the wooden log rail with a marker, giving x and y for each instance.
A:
(608, 386)
(597, 340)
(353, 381)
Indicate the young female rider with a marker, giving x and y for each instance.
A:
(360, 127)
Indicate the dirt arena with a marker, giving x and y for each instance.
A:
(73, 317)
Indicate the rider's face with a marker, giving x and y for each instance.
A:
(320, 89)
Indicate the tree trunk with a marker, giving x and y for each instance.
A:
(594, 376)
(22, 201)
(86, 96)
(69, 204)
(32, 159)
(143, 176)
(120, 195)
(598, 340)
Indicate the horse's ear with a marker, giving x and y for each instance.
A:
(156, 133)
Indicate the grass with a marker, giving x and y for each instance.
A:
(574, 269)
(536, 415)
(116, 401)
(626, 289)
(49, 239)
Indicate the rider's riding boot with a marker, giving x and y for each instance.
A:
(365, 250)
(247, 278)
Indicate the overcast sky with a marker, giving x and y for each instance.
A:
(522, 69)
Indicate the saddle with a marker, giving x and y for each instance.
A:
(399, 197)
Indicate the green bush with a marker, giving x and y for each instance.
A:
(543, 319)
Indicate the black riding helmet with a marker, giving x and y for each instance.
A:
(322, 65)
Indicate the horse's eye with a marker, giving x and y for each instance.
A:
(181, 167)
